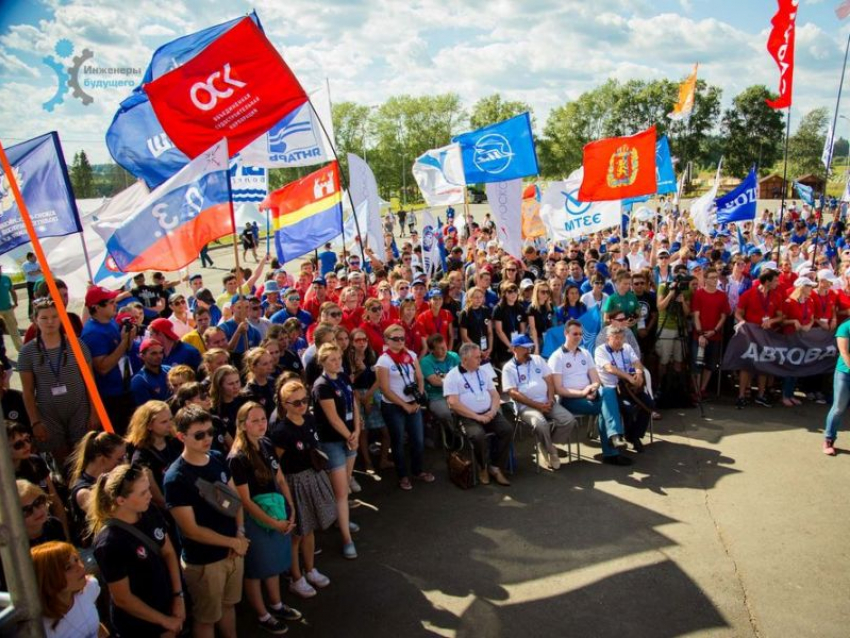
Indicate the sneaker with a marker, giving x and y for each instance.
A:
(763, 401)
(354, 485)
(820, 398)
(554, 461)
(741, 403)
(302, 588)
(618, 441)
(617, 459)
(287, 613)
(272, 625)
(317, 579)
(353, 527)
(788, 403)
(810, 396)
(349, 551)
(829, 447)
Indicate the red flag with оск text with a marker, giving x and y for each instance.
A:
(619, 168)
(780, 44)
(238, 87)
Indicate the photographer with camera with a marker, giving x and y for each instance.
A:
(403, 397)
(109, 343)
(674, 299)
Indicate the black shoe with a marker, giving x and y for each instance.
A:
(763, 401)
(287, 613)
(618, 459)
(272, 625)
(637, 444)
(618, 442)
(741, 403)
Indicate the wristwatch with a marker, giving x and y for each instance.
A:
(178, 594)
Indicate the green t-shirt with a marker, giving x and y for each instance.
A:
(431, 366)
(669, 318)
(627, 303)
(843, 332)
(5, 292)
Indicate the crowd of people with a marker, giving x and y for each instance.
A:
(240, 409)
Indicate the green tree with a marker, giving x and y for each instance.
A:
(841, 149)
(752, 132)
(690, 141)
(805, 147)
(82, 176)
(492, 109)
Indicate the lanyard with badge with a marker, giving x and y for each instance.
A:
(342, 388)
(479, 319)
(627, 363)
(57, 389)
(519, 376)
(468, 385)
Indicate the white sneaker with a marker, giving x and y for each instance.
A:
(317, 579)
(302, 588)
(554, 461)
(354, 485)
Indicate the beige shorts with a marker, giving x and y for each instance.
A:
(214, 586)
(669, 347)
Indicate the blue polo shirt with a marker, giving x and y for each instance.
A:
(327, 259)
(147, 386)
(102, 339)
(302, 315)
(254, 338)
(183, 353)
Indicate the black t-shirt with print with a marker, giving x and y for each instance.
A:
(296, 441)
(325, 388)
(158, 461)
(243, 472)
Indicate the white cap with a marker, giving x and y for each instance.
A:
(804, 281)
(768, 265)
(526, 283)
(826, 273)
(804, 268)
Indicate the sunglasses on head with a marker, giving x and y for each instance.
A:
(22, 443)
(204, 434)
(298, 402)
(39, 502)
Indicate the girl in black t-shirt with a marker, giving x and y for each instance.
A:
(508, 319)
(259, 387)
(140, 567)
(361, 362)
(266, 498)
(541, 313)
(39, 525)
(225, 392)
(296, 441)
(151, 434)
(475, 324)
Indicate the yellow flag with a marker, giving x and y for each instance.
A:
(687, 91)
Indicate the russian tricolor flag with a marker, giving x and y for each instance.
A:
(307, 213)
(179, 218)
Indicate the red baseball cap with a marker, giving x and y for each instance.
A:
(164, 327)
(149, 343)
(96, 294)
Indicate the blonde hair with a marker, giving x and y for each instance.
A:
(251, 359)
(91, 446)
(26, 489)
(138, 432)
(116, 483)
(470, 293)
(326, 351)
(182, 372)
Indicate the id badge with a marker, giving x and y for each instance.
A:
(349, 416)
(483, 343)
(514, 334)
(59, 390)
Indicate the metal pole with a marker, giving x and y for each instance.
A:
(86, 257)
(15, 549)
(784, 184)
(829, 155)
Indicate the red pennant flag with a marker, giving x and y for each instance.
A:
(619, 168)
(780, 44)
(238, 87)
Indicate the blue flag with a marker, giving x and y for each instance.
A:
(42, 176)
(739, 205)
(665, 176)
(806, 193)
(499, 152)
(135, 138)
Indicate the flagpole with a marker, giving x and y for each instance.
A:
(268, 231)
(73, 340)
(831, 134)
(86, 256)
(784, 184)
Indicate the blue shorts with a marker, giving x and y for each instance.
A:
(338, 453)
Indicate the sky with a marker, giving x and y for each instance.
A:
(543, 52)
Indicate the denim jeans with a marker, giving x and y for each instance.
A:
(398, 421)
(597, 408)
(788, 385)
(840, 401)
(610, 424)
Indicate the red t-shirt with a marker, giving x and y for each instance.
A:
(710, 306)
(352, 319)
(843, 302)
(786, 283)
(375, 334)
(757, 305)
(825, 306)
(803, 311)
(413, 337)
(430, 324)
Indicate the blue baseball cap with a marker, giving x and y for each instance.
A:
(320, 281)
(522, 341)
(434, 292)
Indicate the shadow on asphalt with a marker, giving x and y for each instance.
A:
(474, 545)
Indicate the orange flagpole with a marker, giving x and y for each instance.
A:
(88, 377)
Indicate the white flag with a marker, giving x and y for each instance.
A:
(439, 173)
(567, 217)
(704, 210)
(826, 156)
(430, 245)
(505, 199)
(298, 139)
(364, 188)
(845, 196)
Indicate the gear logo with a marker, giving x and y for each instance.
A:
(63, 49)
(7, 197)
(74, 79)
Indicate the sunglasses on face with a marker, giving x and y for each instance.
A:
(400, 288)
(204, 434)
(38, 503)
(22, 443)
(396, 339)
(361, 340)
(335, 314)
(510, 269)
(374, 310)
(294, 298)
(297, 403)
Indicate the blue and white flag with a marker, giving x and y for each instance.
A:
(39, 169)
(499, 152)
(298, 139)
(806, 193)
(740, 205)
(566, 217)
(247, 183)
(439, 174)
(430, 244)
(135, 139)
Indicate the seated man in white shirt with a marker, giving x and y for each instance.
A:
(617, 361)
(473, 397)
(528, 381)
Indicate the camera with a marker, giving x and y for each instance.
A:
(681, 282)
(127, 324)
(412, 390)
